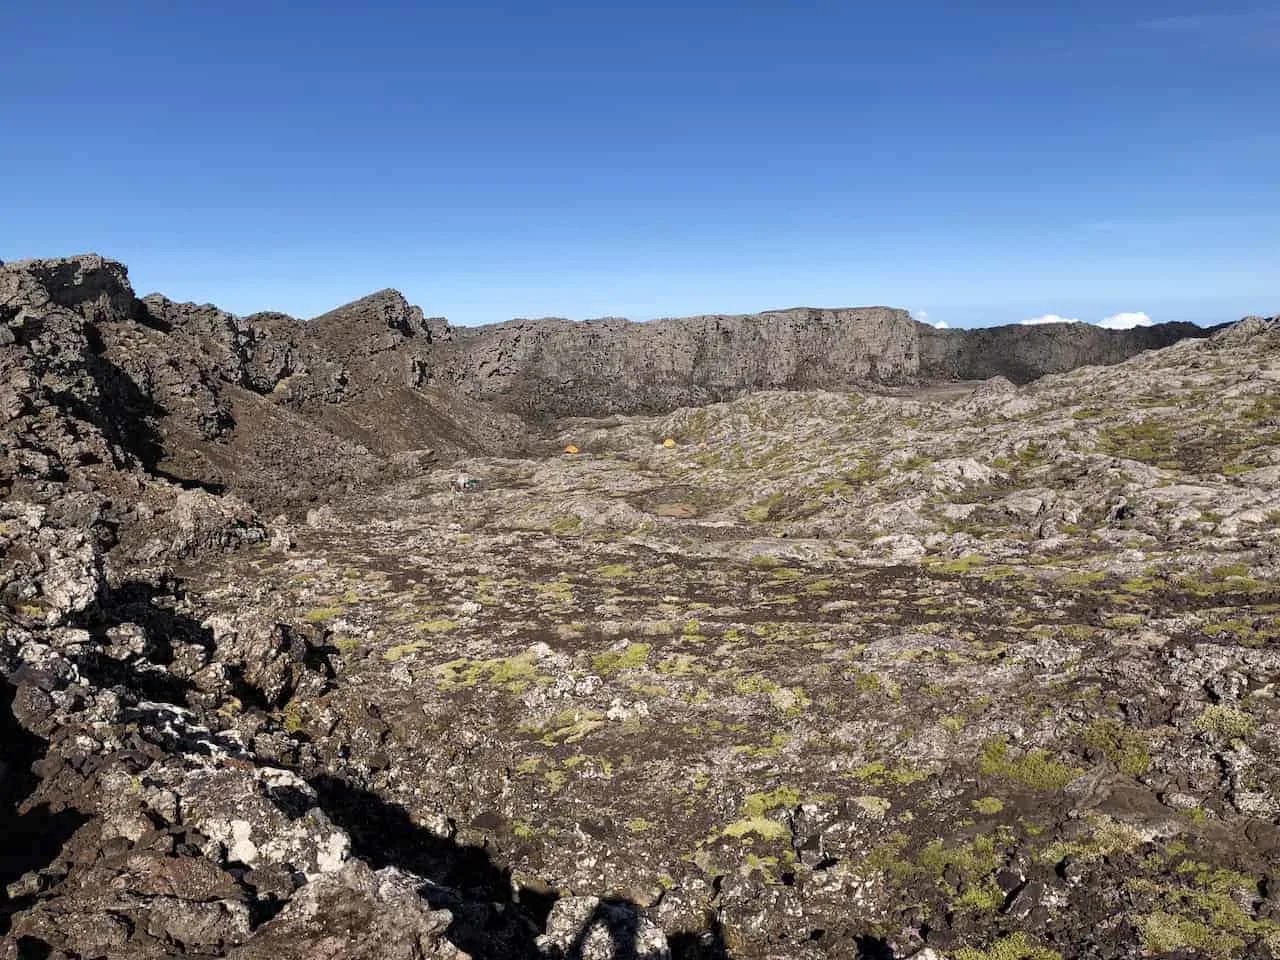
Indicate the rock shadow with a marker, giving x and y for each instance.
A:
(492, 921)
(135, 602)
(619, 920)
(384, 835)
(128, 416)
(707, 944)
(32, 837)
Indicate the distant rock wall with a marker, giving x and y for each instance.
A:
(563, 368)
(1025, 353)
(548, 368)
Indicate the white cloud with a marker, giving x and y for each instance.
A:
(1126, 321)
(1048, 318)
(942, 325)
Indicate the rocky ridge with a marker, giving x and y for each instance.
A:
(601, 367)
(975, 673)
(282, 410)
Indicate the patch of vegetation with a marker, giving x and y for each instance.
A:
(1226, 722)
(763, 510)
(772, 749)
(756, 808)
(1228, 579)
(557, 591)
(983, 897)
(760, 804)
(969, 860)
(988, 806)
(1244, 632)
(513, 674)
(566, 526)
(1122, 745)
(1079, 632)
(1034, 769)
(1144, 584)
(876, 807)
(402, 650)
(867, 471)
(914, 463)
(1013, 947)
(614, 571)
(680, 665)
(1206, 914)
(435, 626)
(632, 657)
(900, 775)
(1126, 621)
(864, 681)
(1107, 837)
(528, 766)
(568, 726)
(291, 717)
(957, 566)
(1151, 441)
(788, 700)
(762, 827)
(322, 614)
(1164, 932)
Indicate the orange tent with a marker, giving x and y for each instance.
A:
(571, 449)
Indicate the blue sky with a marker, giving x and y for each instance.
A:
(981, 162)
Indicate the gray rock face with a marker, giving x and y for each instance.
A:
(1026, 353)
(564, 368)
(549, 368)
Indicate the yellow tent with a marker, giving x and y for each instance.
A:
(668, 443)
(571, 449)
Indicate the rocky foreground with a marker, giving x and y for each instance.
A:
(971, 672)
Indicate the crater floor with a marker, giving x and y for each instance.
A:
(990, 672)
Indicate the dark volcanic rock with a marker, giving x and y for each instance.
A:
(1025, 353)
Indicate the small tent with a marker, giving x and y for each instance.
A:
(571, 449)
(668, 443)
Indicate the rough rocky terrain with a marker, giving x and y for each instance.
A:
(970, 671)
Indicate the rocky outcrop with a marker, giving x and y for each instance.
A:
(150, 794)
(598, 367)
(284, 410)
(1025, 353)
(544, 369)
(552, 367)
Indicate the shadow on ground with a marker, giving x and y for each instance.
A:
(492, 919)
(32, 836)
